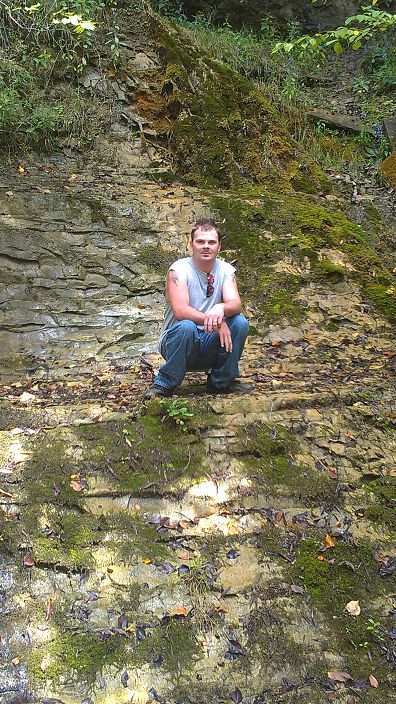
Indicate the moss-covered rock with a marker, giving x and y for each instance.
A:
(267, 452)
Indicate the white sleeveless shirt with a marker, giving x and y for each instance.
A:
(197, 283)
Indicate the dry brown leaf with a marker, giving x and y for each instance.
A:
(338, 676)
(146, 561)
(73, 177)
(15, 661)
(373, 681)
(75, 485)
(180, 611)
(329, 541)
(353, 608)
(28, 561)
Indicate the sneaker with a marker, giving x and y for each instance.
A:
(157, 391)
(234, 387)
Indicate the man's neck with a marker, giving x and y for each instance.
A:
(202, 266)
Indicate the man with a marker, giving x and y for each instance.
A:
(203, 328)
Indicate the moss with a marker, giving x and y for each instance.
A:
(384, 297)
(78, 656)
(267, 453)
(347, 572)
(382, 515)
(329, 271)
(302, 181)
(264, 228)
(333, 584)
(175, 642)
(224, 132)
(157, 258)
(46, 477)
(129, 537)
(388, 168)
(383, 500)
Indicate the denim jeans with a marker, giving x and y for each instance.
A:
(186, 348)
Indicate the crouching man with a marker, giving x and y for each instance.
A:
(203, 328)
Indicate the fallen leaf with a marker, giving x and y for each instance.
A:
(373, 681)
(180, 611)
(26, 397)
(353, 608)
(21, 169)
(73, 177)
(321, 558)
(9, 193)
(15, 661)
(329, 541)
(146, 561)
(75, 485)
(236, 696)
(296, 589)
(124, 678)
(338, 676)
(28, 561)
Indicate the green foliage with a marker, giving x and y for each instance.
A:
(41, 46)
(356, 30)
(178, 411)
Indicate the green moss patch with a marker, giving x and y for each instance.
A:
(383, 508)
(78, 656)
(332, 579)
(174, 640)
(329, 271)
(268, 452)
(224, 132)
(265, 228)
(130, 538)
(157, 258)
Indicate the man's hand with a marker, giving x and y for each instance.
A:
(214, 318)
(225, 336)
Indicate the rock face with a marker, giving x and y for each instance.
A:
(211, 560)
(321, 15)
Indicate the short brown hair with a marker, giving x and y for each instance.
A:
(205, 224)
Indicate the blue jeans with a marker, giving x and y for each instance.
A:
(187, 348)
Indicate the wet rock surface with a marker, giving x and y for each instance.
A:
(145, 559)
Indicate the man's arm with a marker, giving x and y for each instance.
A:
(230, 306)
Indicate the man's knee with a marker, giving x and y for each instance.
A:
(239, 325)
(186, 328)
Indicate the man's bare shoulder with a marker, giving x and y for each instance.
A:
(180, 264)
(178, 271)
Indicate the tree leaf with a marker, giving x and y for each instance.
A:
(329, 541)
(75, 485)
(353, 608)
(28, 561)
(236, 696)
(338, 676)
(373, 681)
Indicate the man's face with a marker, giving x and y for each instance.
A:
(205, 247)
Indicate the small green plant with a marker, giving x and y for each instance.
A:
(374, 627)
(178, 411)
